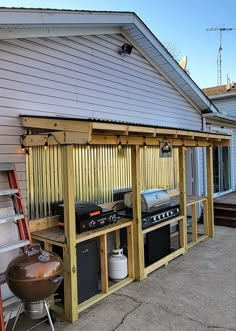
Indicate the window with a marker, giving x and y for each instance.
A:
(221, 169)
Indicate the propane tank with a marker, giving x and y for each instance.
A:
(117, 265)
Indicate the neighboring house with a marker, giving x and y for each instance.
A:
(69, 63)
(224, 158)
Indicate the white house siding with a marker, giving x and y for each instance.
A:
(227, 105)
(82, 77)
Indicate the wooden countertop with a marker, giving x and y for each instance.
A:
(55, 235)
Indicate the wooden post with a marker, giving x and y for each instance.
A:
(117, 239)
(137, 217)
(209, 159)
(70, 264)
(104, 266)
(194, 223)
(182, 196)
(130, 241)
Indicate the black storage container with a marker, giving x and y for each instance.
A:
(87, 270)
(157, 245)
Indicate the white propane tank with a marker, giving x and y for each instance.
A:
(117, 265)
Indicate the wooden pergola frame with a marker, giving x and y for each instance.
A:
(68, 132)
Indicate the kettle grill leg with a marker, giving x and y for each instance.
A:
(49, 316)
(17, 315)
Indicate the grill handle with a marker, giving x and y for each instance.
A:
(56, 279)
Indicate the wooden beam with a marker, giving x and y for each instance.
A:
(137, 218)
(68, 137)
(183, 197)
(58, 137)
(56, 124)
(97, 139)
(209, 159)
(70, 263)
(43, 223)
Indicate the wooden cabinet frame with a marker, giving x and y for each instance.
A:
(71, 131)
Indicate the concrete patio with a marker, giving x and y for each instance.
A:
(194, 292)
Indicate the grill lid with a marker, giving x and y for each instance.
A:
(36, 266)
(150, 199)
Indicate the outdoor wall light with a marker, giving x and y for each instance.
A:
(119, 145)
(126, 49)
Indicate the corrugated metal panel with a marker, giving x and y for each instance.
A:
(99, 173)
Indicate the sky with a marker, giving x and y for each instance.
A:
(179, 23)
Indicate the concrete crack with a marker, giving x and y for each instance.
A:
(193, 320)
(130, 312)
(168, 311)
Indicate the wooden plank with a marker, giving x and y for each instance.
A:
(104, 265)
(70, 263)
(97, 139)
(117, 239)
(54, 138)
(205, 218)
(199, 239)
(54, 234)
(183, 198)
(163, 261)
(69, 137)
(86, 304)
(43, 223)
(161, 224)
(48, 247)
(56, 124)
(130, 243)
(40, 239)
(194, 223)
(137, 218)
(210, 192)
(194, 199)
(100, 231)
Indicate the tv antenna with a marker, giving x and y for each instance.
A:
(219, 56)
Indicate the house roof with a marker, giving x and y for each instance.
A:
(29, 23)
(221, 91)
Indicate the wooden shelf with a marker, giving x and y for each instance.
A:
(56, 236)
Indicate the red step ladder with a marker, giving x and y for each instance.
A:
(19, 217)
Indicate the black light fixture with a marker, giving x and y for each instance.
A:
(126, 49)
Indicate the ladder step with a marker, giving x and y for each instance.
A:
(11, 218)
(7, 166)
(14, 245)
(8, 191)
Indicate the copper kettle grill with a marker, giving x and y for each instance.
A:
(33, 277)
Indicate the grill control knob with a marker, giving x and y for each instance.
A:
(171, 213)
(92, 224)
(162, 215)
(158, 217)
(153, 218)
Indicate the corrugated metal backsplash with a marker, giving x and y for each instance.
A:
(100, 173)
